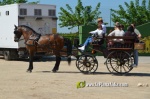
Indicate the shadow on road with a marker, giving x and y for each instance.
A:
(98, 73)
(128, 74)
(138, 74)
(43, 59)
(72, 72)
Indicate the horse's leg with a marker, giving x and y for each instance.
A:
(69, 49)
(56, 67)
(30, 62)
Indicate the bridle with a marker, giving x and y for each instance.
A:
(16, 32)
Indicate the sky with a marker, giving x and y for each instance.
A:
(105, 7)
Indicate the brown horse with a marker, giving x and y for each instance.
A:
(46, 43)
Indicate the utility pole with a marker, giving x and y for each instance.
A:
(110, 17)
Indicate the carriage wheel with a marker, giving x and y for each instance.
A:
(107, 63)
(120, 62)
(87, 63)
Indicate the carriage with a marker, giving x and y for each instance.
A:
(119, 56)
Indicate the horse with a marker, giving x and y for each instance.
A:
(49, 42)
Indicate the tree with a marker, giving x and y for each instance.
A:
(134, 13)
(35, 2)
(4, 2)
(81, 15)
(21, 1)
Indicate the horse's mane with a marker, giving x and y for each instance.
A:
(29, 28)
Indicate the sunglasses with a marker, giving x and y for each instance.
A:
(99, 21)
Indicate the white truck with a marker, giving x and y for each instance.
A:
(41, 17)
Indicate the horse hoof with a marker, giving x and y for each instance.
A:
(54, 71)
(29, 71)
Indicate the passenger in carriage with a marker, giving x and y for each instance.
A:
(118, 31)
(131, 32)
(122, 28)
(99, 32)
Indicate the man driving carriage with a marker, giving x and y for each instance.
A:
(99, 32)
(100, 21)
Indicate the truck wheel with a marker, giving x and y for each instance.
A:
(7, 55)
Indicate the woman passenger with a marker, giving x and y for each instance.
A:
(117, 32)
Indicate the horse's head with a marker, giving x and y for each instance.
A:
(18, 33)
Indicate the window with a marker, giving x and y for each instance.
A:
(23, 11)
(38, 12)
(7, 12)
(52, 13)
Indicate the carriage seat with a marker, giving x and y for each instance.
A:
(126, 44)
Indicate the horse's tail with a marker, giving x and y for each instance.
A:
(67, 42)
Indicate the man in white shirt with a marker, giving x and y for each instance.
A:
(98, 31)
(100, 21)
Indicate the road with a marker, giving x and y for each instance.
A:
(16, 83)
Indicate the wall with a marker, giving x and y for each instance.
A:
(30, 8)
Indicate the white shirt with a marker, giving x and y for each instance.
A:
(104, 28)
(137, 31)
(117, 33)
(99, 32)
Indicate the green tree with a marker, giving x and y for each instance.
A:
(35, 2)
(81, 16)
(133, 13)
(4, 2)
(21, 1)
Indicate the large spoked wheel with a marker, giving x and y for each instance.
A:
(119, 62)
(87, 63)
